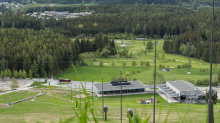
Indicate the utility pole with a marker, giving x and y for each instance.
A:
(3, 64)
(75, 95)
(211, 117)
(85, 91)
(102, 93)
(80, 96)
(141, 92)
(71, 91)
(154, 81)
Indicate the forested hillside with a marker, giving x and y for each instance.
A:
(45, 53)
(130, 2)
(145, 20)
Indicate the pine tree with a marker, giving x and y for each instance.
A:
(141, 63)
(24, 74)
(30, 74)
(16, 74)
(20, 74)
(124, 64)
(150, 45)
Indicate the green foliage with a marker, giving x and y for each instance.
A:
(179, 66)
(24, 74)
(20, 74)
(14, 84)
(124, 64)
(150, 45)
(30, 74)
(9, 73)
(113, 63)
(219, 76)
(147, 63)
(16, 74)
(127, 73)
(6, 73)
(141, 63)
(105, 52)
(134, 63)
(101, 63)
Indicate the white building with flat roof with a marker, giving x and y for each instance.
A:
(183, 91)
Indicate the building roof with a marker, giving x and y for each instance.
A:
(109, 87)
(181, 85)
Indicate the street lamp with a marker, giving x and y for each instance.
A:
(71, 91)
(105, 109)
(129, 114)
(75, 95)
(92, 96)
(80, 96)
(121, 93)
(102, 93)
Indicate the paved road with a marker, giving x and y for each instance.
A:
(87, 85)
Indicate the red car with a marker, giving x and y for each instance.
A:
(64, 80)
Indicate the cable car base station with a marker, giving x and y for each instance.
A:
(173, 91)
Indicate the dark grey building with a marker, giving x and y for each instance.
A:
(114, 88)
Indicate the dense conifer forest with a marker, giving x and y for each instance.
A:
(46, 53)
(174, 23)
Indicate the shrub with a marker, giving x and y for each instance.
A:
(168, 66)
(14, 84)
(124, 64)
(179, 66)
(134, 79)
(127, 73)
(132, 72)
(138, 71)
(113, 63)
(147, 63)
(160, 66)
(101, 63)
(134, 63)
(198, 82)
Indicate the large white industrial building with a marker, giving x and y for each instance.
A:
(183, 92)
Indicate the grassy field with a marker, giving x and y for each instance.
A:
(50, 108)
(146, 74)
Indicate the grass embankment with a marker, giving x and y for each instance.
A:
(46, 109)
(146, 75)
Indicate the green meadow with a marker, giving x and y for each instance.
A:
(199, 70)
(57, 106)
